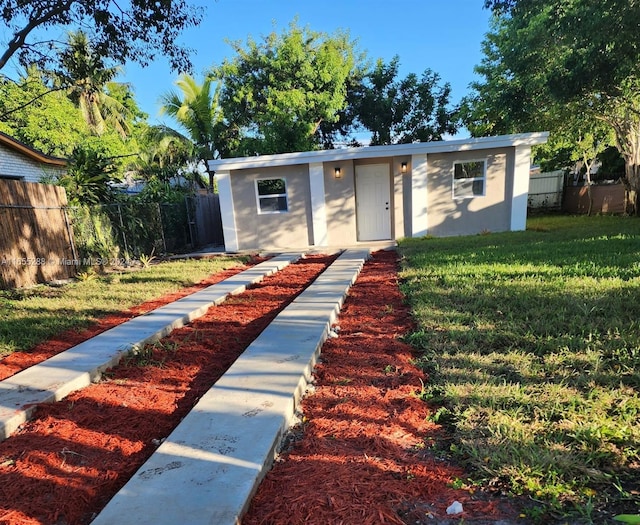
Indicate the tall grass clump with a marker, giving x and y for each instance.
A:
(532, 344)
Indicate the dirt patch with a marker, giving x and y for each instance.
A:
(364, 452)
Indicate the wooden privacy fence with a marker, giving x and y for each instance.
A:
(607, 198)
(205, 220)
(36, 241)
(43, 240)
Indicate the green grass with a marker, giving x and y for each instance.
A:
(532, 343)
(29, 316)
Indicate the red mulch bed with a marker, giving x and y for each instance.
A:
(65, 465)
(358, 458)
(18, 361)
(361, 455)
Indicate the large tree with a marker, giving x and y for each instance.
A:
(195, 108)
(87, 79)
(345, 129)
(31, 112)
(276, 93)
(137, 30)
(506, 103)
(48, 120)
(412, 109)
(545, 56)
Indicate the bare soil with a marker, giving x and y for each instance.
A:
(364, 452)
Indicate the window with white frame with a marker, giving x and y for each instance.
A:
(469, 179)
(271, 195)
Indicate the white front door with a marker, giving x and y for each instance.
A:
(373, 202)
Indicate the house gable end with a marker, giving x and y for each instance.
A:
(20, 162)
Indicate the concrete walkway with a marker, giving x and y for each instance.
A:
(208, 469)
(77, 367)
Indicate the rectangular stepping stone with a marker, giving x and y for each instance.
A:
(208, 469)
(79, 366)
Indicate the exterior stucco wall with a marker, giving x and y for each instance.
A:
(324, 209)
(407, 211)
(289, 229)
(17, 166)
(447, 216)
(340, 202)
(340, 198)
(401, 197)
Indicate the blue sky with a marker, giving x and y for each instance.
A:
(442, 35)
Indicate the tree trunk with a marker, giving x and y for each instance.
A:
(626, 125)
(590, 196)
(588, 165)
(632, 186)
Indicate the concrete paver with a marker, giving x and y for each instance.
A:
(207, 470)
(77, 367)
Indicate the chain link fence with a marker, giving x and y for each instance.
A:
(124, 232)
(42, 239)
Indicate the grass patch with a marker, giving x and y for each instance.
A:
(532, 344)
(151, 354)
(29, 316)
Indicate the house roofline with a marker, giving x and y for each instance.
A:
(31, 152)
(365, 152)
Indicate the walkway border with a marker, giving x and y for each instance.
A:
(83, 364)
(208, 469)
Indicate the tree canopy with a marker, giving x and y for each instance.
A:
(403, 110)
(276, 93)
(136, 30)
(52, 120)
(195, 108)
(31, 112)
(593, 45)
(87, 77)
(296, 90)
(552, 62)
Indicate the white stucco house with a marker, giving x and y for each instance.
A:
(21, 162)
(355, 196)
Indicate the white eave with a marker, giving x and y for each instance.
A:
(367, 152)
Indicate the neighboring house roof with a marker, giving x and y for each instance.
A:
(30, 152)
(416, 148)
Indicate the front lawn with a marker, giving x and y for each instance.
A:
(532, 344)
(29, 316)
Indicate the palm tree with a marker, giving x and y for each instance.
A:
(196, 109)
(88, 81)
(165, 154)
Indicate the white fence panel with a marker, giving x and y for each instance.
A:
(545, 189)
